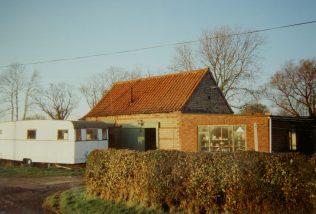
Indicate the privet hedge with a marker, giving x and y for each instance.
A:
(204, 182)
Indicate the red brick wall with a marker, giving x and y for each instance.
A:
(189, 123)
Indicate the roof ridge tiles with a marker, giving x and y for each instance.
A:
(162, 75)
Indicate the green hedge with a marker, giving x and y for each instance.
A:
(204, 182)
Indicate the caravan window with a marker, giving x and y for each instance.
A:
(104, 134)
(78, 135)
(92, 134)
(31, 134)
(62, 135)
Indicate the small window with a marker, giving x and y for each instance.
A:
(92, 134)
(31, 134)
(292, 141)
(62, 135)
(78, 135)
(104, 134)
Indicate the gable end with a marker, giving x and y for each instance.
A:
(207, 98)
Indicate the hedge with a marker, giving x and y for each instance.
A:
(176, 181)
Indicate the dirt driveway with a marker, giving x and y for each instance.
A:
(26, 194)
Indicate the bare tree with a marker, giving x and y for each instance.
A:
(16, 90)
(11, 85)
(116, 74)
(94, 88)
(183, 59)
(231, 55)
(31, 90)
(58, 101)
(98, 84)
(254, 108)
(293, 88)
(36, 117)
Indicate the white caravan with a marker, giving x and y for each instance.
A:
(51, 141)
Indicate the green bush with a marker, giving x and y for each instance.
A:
(204, 182)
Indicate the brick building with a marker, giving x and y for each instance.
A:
(182, 111)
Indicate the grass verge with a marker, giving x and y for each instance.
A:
(76, 201)
(35, 171)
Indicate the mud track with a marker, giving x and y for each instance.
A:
(26, 194)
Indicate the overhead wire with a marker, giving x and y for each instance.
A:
(159, 45)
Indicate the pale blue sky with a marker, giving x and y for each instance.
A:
(36, 30)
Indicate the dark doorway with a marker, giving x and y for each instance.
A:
(150, 139)
(114, 133)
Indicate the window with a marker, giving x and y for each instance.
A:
(222, 138)
(92, 134)
(62, 134)
(31, 134)
(78, 135)
(292, 140)
(204, 138)
(104, 134)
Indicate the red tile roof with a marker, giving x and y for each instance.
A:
(165, 93)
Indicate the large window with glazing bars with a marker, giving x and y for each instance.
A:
(222, 138)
